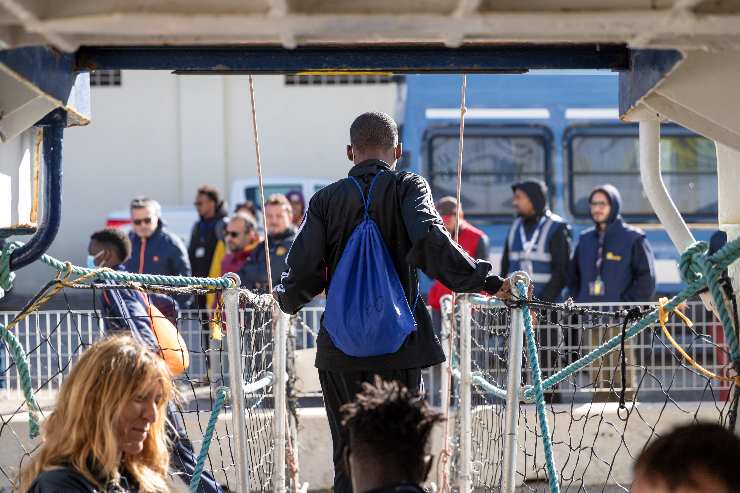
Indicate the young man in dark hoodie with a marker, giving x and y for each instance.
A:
(538, 242)
(613, 261)
(415, 238)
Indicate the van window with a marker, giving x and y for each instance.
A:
(491, 165)
(688, 166)
(252, 193)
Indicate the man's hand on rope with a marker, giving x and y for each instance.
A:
(504, 292)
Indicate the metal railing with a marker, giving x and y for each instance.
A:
(55, 338)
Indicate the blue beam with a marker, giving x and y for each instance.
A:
(54, 75)
(404, 59)
(647, 69)
(52, 210)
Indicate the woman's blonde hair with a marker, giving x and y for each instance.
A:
(81, 432)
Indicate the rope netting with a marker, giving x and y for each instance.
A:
(612, 380)
(40, 346)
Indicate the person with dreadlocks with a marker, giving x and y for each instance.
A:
(388, 429)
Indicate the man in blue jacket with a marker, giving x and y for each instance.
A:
(126, 310)
(613, 261)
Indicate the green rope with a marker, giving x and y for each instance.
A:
(121, 276)
(6, 276)
(24, 375)
(221, 394)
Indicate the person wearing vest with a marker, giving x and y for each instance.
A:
(613, 261)
(538, 242)
(397, 205)
(473, 241)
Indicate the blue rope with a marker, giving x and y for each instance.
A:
(6, 276)
(24, 375)
(552, 472)
(207, 437)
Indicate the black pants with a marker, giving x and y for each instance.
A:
(339, 388)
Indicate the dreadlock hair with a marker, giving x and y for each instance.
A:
(115, 238)
(389, 422)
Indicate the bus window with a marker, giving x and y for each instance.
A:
(688, 162)
(492, 163)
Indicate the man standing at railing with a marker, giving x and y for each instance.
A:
(613, 261)
(400, 205)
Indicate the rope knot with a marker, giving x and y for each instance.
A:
(693, 262)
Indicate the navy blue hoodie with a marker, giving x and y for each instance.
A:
(628, 265)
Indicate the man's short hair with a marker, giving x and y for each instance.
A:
(114, 238)
(446, 206)
(279, 199)
(388, 421)
(148, 203)
(249, 223)
(373, 130)
(682, 456)
(212, 193)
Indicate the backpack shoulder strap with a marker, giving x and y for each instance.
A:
(366, 202)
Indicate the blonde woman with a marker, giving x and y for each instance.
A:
(107, 432)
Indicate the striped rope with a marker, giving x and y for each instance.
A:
(221, 394)
(552, 472)
(24, 375)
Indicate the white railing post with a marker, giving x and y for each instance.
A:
(513, 385)
(466, 378)
(446, 313)
(281, 325)
(657, 193)
(236, 384)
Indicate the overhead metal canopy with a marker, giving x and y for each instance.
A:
(66, 25)
(396, 59)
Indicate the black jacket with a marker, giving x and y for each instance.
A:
(253, 273)
(204, 237)
(68, 480)
(403, 208)
(558, 246)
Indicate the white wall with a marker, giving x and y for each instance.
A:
(163, 135)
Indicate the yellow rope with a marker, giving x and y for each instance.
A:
(663, 319)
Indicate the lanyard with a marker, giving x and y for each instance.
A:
(601, 236)
(528, 245)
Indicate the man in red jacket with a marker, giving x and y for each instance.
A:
(473, 241)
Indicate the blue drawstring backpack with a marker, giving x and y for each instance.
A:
(367, 313)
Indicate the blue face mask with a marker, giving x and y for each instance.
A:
(91, 261)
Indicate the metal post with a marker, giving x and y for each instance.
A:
(281, 325)
(657, 193)
(236, 384)
(466, 379)
(446, 314)
(513, 384)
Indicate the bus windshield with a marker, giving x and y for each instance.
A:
(491, 164)
(689, 169)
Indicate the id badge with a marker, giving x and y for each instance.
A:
(596, 288)
(526, 266)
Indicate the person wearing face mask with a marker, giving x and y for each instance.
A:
(127, 311)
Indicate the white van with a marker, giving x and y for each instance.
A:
(248, 188)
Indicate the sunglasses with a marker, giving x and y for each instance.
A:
(233, 234)
(139, 222)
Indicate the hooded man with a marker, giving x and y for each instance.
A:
(613, 261)
(538, 242)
